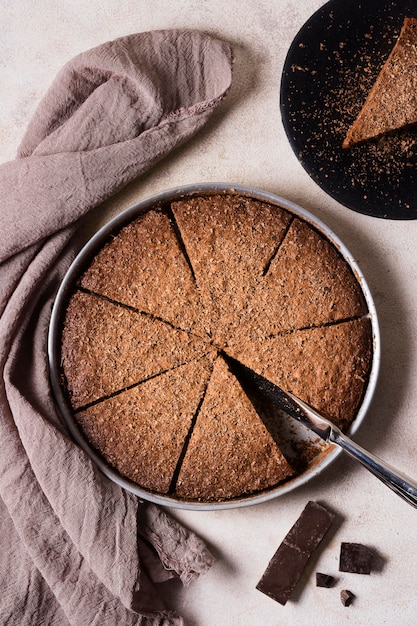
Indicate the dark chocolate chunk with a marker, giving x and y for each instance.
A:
(346, 597)
(356, 558)
(287, 565)
(324, 580)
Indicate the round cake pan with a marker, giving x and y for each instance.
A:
(323, 459)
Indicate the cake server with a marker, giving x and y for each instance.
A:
(405, 487)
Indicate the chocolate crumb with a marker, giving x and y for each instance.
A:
(356, 558)
(324, 580)
(346, 597)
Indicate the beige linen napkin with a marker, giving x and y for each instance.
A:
(75, 548)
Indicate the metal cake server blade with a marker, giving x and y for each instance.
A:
(404, 486)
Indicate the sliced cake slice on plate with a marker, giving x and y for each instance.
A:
(392, 101)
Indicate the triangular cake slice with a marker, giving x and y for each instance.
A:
(230, 452)
(307, 284)
(141, 431)
(392, 101)
(145, 268)
(327, 367)
(229, 239)
(107, 347)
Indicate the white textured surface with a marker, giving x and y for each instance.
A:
(246, 144)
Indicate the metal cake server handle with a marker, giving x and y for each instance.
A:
(404, 486)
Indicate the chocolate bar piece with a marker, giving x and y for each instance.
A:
(324, 580)
(289, 561)
(346, 597)
(355, 558)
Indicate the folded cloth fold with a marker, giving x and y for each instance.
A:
(76, 548)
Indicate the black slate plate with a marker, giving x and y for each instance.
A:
(329, 70)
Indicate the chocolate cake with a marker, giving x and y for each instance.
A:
(153, 320)
(149, 272)
(107, 347)
(229, 245)
(325, 366)
(392, 102)
(131, 428)
(230, 451)
(294, 294)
